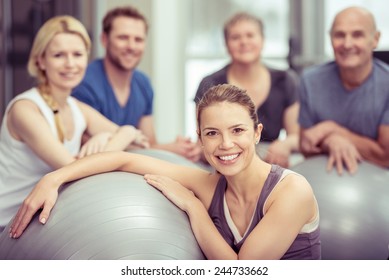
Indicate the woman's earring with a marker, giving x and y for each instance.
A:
(256, 142)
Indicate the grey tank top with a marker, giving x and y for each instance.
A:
(306, 246)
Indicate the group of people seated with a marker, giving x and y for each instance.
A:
(83, 119)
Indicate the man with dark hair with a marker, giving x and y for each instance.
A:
(116, 88)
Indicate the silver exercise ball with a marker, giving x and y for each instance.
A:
(115, 215)
(354, 209)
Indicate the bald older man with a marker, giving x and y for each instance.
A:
(345, 103)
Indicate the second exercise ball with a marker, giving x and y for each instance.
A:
(354, 209)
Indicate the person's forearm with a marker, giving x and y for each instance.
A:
(87, 166)
(45, 193)
(311, 139)
(324, 129)
(121, 139)
(165, 146)
(369, 149)
(211, 242)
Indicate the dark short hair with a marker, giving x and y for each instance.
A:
(126, 11)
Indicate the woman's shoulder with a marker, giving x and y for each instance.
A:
(218, 77)
(31, 93)
(26, 110)
(29, 98)
(292, 175)
(293, 183)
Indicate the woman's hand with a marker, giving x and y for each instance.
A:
(211, 242)
(97, 143)
(174, 191)
(141, 139)
(43, 196)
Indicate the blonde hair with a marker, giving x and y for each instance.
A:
(242, 16)
(52, 27)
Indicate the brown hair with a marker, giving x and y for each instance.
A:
(226, 93)
(126, 11)
(242, 16)
(52, 27)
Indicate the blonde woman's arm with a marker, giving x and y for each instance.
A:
(108, 136)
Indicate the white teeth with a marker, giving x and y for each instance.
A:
(68, 75)
(231, 157)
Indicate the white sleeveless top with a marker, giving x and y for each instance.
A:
(20, 167)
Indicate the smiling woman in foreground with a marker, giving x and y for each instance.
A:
(249, 209)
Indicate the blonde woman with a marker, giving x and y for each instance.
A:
(42, 128)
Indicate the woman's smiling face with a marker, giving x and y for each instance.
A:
(228, 137)
(244, 41)
(65, 61)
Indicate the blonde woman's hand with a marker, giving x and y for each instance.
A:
(141, 139)
(97, 143)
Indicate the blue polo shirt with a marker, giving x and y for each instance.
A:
(96, 91)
